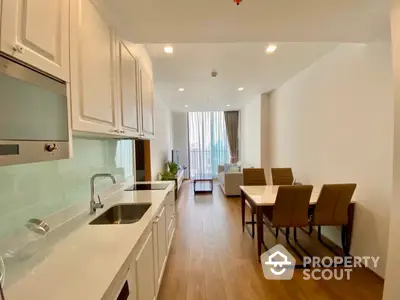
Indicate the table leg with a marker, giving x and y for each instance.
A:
(349, 230)
(243, 203)
(260, 230)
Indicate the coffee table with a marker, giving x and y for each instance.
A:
(203, 183)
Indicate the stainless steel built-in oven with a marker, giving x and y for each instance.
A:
(33, 115)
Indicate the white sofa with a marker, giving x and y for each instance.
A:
(230, 182)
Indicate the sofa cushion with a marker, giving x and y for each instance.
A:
(229, 168)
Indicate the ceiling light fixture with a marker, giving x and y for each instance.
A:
(241, 89)
(181, 89)
(271, 48)
(228, 105)
(186, 105)
(168, 49)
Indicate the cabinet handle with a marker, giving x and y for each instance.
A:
(156, 219)
(122, 131)
(19, 48)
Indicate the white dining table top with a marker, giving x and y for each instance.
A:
(265, 195)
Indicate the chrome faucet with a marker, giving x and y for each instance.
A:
(93, 204)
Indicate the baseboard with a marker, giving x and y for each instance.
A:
(365, 267)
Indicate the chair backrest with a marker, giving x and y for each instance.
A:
(291, 206)
(332, 205)
(254, 176)
(282, 176)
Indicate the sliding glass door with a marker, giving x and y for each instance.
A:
(208, 144)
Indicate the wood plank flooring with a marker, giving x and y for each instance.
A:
(212, 259)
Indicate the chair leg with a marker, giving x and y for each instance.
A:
(319, 234)
(295, 234)
(345, 241)
(287, 235)
(252, 224)
(276, 232)
(311, 230)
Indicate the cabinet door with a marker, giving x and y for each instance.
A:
(146, 85)
(92, 70)
(37, 33)
(128, 78)
(170, 206)
(145, 271)
(162, 243)
(171, 230)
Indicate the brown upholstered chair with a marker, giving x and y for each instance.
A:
(290, 210)
(253, 176)
(331, 208)
(291, 207)
(282, 176)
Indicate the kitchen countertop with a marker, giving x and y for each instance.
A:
(84, 265)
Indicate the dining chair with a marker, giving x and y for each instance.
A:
(255, 177)
(282, 176)
(290, 210)
(331, 209)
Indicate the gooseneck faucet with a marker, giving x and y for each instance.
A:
(93, 204)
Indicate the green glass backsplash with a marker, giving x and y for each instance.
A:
(40, 189)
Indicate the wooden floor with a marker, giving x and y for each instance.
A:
(211, 258)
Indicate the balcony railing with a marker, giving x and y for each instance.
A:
(206, 162)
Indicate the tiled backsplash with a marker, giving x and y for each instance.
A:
(41, 189)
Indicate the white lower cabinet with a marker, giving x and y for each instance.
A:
(149, 257)
(144, 267)
(161, 243)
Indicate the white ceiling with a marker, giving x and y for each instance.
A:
(185, 21)
(238, 65)
(209, 34)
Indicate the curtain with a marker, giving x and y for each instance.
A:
(232, 128)
(208, 143)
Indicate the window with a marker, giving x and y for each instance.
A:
(208, 144)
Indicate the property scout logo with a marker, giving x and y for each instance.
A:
(279, 264)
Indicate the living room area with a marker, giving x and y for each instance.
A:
(311, 125)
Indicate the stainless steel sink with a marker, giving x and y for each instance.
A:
(122, 214)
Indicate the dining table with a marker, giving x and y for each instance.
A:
(262, 198)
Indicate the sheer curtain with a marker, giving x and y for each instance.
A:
(208, 143)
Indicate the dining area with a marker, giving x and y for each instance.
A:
(285, 207)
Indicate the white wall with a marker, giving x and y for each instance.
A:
(250, 135)
(161, 146)
(392, 287)
(180, 137)
(332, 123)
(265, 136)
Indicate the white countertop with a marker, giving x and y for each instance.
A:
(84, 265)
(265, 195)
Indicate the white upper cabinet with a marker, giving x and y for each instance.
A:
(92, 70)
(147, 101)
(37, 33)
(111, 79)
(128, 92)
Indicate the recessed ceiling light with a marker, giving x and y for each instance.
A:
(168, 49)
(186, 105)
(228, 105)
(271, 48)
(241, 89)
(181, 89)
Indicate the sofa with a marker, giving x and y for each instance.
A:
(229, 181)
